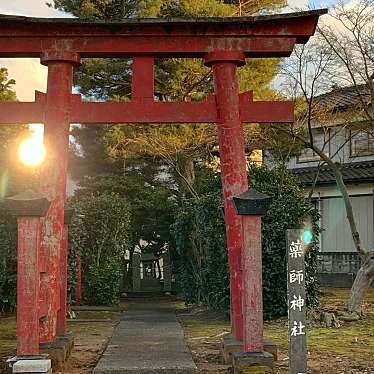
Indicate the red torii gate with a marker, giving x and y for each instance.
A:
(223, 43)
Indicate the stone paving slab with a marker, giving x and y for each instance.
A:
(148, 339)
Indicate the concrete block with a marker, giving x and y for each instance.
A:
(57, 356)
(59, 351)
(253, 363)
(32, 366)
(13, 360)
(230, 346)
(66, 344)
(272, 348)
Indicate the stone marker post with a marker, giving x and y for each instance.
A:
(136, 284)
(28, 207)
(251, 205)
(297, 348)
(167, 272)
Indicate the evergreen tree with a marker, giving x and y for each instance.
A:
(135, 154)
(179, 146)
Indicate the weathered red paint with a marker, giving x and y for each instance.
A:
(224, 43)
(142, 88)
(56, 140)
(252, 285)
(125, 47)
(142, 109)
(255, 36)
(233, 170)
(78, 295)
(301, 25)
(28, 283)
(61, 315)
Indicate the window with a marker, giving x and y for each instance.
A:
(322, 141)
(362, 143)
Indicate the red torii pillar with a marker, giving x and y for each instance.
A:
(53, 184)
(251, 206)
(233, 167)
(28, 207)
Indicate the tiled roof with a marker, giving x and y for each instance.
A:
(356, 172)
(345, 97)
(197, 20)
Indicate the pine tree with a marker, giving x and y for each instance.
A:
(179, 146)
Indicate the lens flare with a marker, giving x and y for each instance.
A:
(31, 151)
(308, 236)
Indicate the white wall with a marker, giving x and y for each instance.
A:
(336, 234)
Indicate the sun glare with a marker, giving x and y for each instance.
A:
(31, 151)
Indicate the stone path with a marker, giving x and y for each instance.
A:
(149, 339)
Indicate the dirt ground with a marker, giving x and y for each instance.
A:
(92, 331)
(91, 338)
(345, 350)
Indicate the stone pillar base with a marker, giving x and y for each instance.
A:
(230, 346)
(60, 351)
(29, 365)
(272, 348)
(253, 363)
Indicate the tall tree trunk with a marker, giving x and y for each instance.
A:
(365, 275)
(187, 167)
(364, 279)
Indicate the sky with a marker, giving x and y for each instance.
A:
(30, 75)
(27, 72)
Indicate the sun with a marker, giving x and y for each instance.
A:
(31, 152)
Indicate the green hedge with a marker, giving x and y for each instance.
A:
(288, 210)
(199, 233)
(99, 234)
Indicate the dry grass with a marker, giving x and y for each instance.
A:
(344, 350)
(7, 339)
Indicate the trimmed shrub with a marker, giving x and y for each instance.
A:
(289, 209)
(199, 233)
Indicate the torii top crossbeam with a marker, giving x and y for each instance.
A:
(258, 36)
(210, 38)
